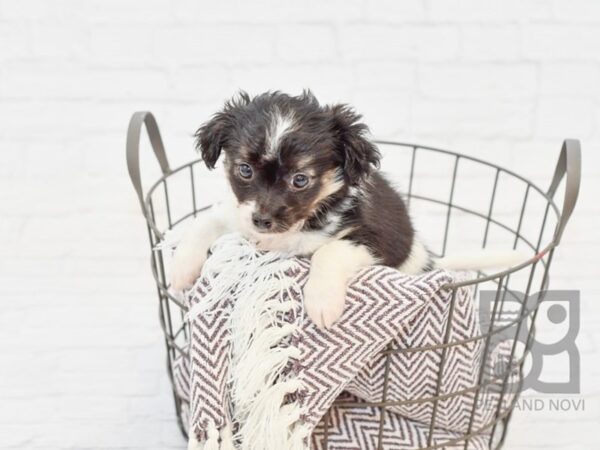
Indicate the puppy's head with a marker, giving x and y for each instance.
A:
(286, 157)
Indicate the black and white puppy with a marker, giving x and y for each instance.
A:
(304, 181)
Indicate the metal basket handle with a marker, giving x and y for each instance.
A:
(569, 164)
(133, 150)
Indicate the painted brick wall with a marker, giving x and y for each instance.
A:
(81, 352)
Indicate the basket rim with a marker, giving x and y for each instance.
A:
(539, 251)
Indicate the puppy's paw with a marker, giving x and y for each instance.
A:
(324, 300)
(186, 268)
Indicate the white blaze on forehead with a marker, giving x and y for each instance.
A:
(280, 125)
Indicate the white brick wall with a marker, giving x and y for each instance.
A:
(82, 363)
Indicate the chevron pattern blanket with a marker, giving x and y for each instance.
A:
(261, 375)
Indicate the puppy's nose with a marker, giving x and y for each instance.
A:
(262, 221)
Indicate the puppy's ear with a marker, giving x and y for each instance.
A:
(212, 135)
(210, 138)
(358, 155)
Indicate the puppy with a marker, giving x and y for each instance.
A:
(303, 180)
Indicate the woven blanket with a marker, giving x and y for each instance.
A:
(261, 375)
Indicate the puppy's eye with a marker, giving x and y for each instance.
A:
(300, 181)
(245, 171)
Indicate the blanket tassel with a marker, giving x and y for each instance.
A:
(227, 439)
(212, 443)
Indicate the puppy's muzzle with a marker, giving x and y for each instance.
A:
(263, 222)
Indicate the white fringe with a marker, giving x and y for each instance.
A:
(227, 438)
(212, 441)
(269, 424)
(193, 443)
(262, 294)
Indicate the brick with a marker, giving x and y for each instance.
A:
(538, 157)
(536, 10)
(387, 113)
(43, 79)
(112, 11)
(497, 151)
(12, 162)
(386, 75)
(578, 10)
(493, 82)
(181, 119)
(65, 120)
(490, 42)
(16, 436)
(465, 10)
(216, 44)
(26, 9)
(330, 83)
(228, 11)
(390, 11)
(474, 119)
(200, 84)
(48, 161)
(570, 78)
(562, 42)
(565, 117)
(268, 11)
(121, 44)
(306, 43)
(489, 11)
(377, 42)
(15, 41)
(96, 160)
(131, 84)
(59, 41)
(318, 10)
(108, 436)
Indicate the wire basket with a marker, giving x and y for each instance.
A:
(496, 206)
